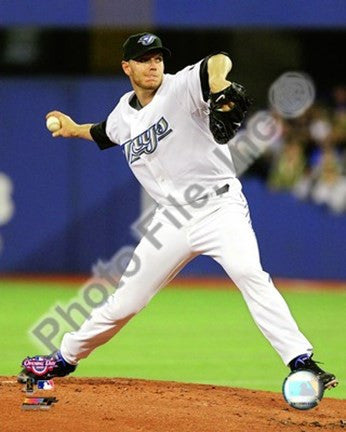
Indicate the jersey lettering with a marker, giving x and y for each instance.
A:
(147, 141)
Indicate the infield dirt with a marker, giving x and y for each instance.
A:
(127, 405)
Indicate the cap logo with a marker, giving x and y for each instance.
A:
(147, 39)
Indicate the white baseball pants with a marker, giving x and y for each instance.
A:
(220, 228)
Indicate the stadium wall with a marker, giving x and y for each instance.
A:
(180, 13)
(74, 204)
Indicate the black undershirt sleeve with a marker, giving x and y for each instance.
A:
(203, 73)
(98, 134)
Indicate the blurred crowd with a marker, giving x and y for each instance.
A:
(309, 157)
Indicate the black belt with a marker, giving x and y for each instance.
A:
(219, 191)
(222, 189)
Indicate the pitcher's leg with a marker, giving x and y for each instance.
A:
(156, 266)
(237, 252)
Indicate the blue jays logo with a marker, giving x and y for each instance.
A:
(147, 39)
(147, 141)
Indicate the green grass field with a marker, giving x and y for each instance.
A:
(198, 335)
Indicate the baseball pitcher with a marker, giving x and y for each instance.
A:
(168, 127)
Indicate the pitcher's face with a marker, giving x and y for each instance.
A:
(145, 72)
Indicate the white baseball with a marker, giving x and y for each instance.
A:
(53, 124)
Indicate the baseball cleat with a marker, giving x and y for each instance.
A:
(44, 367)
(305, 362)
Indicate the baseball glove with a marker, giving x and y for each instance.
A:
(224, 124)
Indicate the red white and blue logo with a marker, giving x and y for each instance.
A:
(39, 365)
(45, 385)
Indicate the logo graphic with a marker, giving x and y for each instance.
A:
(38, 403)
(39, 365)
(292, 94)
(147, 141)
(147, 39)
(29, 385)
(303, 389)
(45, 385)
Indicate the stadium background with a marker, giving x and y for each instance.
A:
(69, 205)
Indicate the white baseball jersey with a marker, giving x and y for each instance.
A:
(168, 144)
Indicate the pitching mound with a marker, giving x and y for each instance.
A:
(126, 405)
